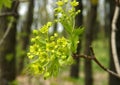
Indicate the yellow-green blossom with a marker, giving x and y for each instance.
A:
(49, 24)
(62, 41)
(48, 53)
(60, 3)
(50, 46)
(65, 1)
(35, 32)
(59, 9)
(45, 28)
(55, 34)
(74, 3)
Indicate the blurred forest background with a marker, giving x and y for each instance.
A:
(18, 21)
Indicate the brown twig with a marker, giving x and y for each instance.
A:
(93, 57)
(104, 68)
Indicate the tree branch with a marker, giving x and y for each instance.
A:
(93, 57)
(105, 69)
(6, 32)
(13, 13)
(7, 14)
(113, 39)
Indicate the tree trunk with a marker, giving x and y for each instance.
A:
(112, 79)
(74, 72)
(88, 41)
(26, 31)
(7, 48)
(107, 19)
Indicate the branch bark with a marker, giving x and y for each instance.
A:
(113, 39)
(93, 57)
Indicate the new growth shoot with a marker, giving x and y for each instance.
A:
(48, 54)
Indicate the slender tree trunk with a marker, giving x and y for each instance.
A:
(88, 41)
(112, 79)
(26, 31)
(107, 19)
(74, 72)
(7, 48)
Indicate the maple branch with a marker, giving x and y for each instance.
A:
(104, 68)
(93, 57)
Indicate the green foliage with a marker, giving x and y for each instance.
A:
(15, 82)
(9, 57)
(49, 53)
(6, 3)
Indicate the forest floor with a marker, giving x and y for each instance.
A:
(100, 78)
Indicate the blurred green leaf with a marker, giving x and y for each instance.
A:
(67, 26)
(9, 57)
(6, 3)
(78, 31)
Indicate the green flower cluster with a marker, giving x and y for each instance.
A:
(69, 12)
(67, 19)
(48, 54)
